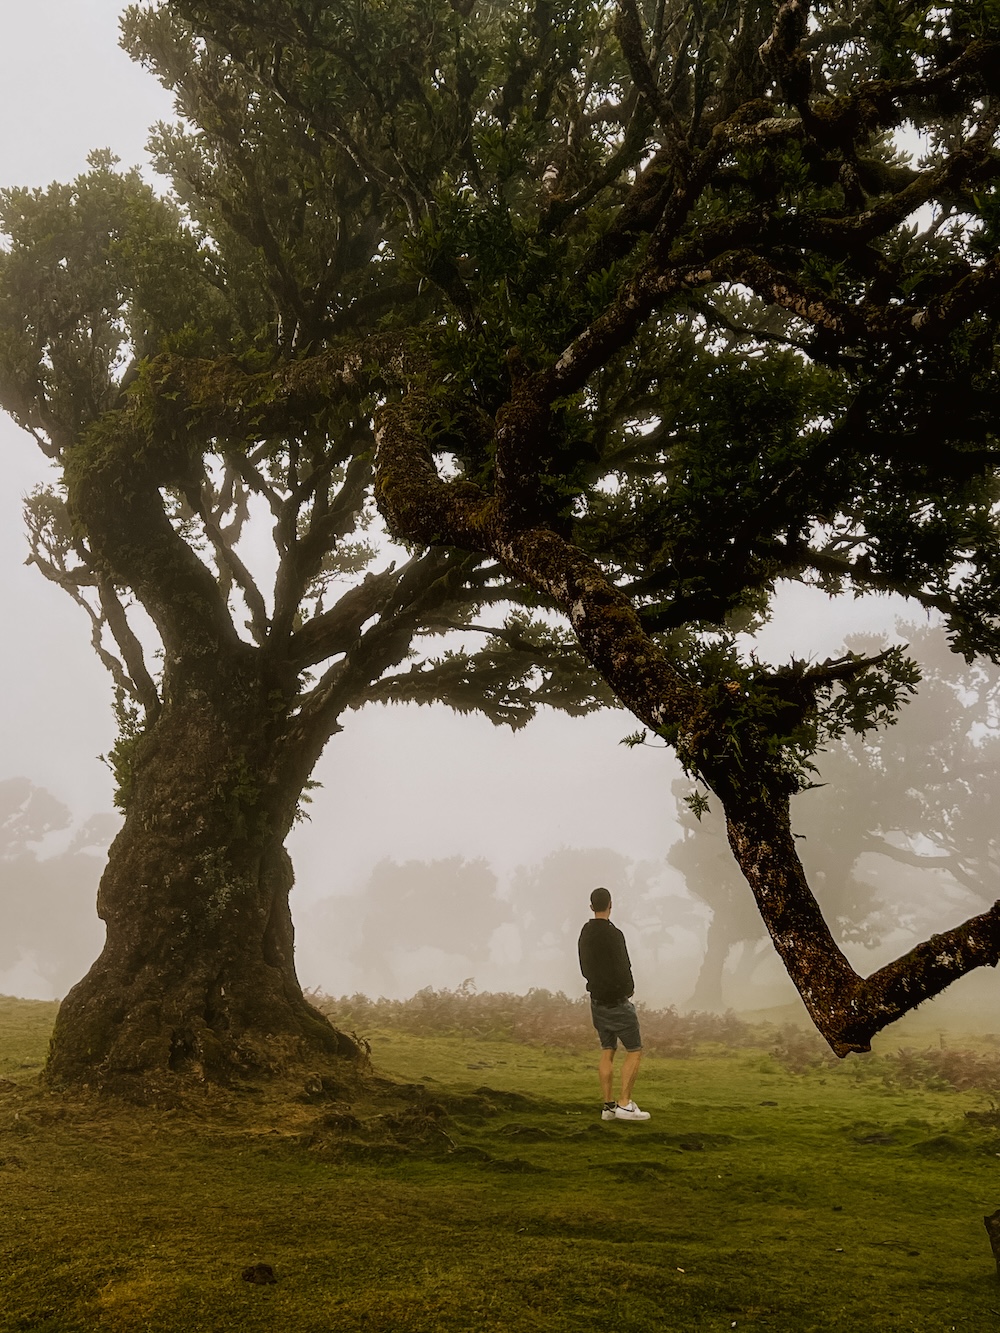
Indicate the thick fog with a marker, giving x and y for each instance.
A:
(440, 848)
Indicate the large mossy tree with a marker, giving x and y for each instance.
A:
(648, 311)
(714, 301)
(202, 365)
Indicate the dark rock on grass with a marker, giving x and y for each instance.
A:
(261, 1274)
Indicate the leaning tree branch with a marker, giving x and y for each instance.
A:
(831, 565)
(846, 1008)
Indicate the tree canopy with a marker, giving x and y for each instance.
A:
(712, 306)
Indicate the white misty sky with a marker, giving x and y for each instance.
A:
(403, 782)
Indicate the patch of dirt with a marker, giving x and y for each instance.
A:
(693, 1141)
(636, 1172)
(513, 1165)
(526, 1133)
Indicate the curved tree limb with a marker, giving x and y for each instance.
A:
(846, 1008)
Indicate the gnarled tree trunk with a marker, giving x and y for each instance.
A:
(197, 975)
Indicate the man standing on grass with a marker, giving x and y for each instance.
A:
(604, 962)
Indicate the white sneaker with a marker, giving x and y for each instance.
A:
(630, 1112)
(608, 1113)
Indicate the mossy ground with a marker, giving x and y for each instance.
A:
(495, 1199)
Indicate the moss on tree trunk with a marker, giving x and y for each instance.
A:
(197, 975)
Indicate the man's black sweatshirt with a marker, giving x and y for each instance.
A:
(604, 962)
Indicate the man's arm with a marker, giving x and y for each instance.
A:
(624, 967)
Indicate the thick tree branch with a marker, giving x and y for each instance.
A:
(755, 794)
(334, 631)
(114, 478)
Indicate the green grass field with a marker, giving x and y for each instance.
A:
(491, 1196)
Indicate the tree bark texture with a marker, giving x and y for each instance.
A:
(197, 975)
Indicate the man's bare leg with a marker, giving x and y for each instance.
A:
(606, 1073)
(630, 1068)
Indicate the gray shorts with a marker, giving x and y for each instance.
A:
(616, 1022)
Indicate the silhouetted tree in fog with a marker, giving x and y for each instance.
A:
(450, 905)
(47, 898)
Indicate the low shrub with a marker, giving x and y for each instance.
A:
(799, 1050)
(541, 1018)
(943, 1069)
(551, 1018)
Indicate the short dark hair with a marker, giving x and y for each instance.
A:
(600, 900)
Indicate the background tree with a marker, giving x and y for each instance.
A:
(181, 362)
(550, 904)
(46, 893)
(926, 797)
(703, 857)
(450, 905)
